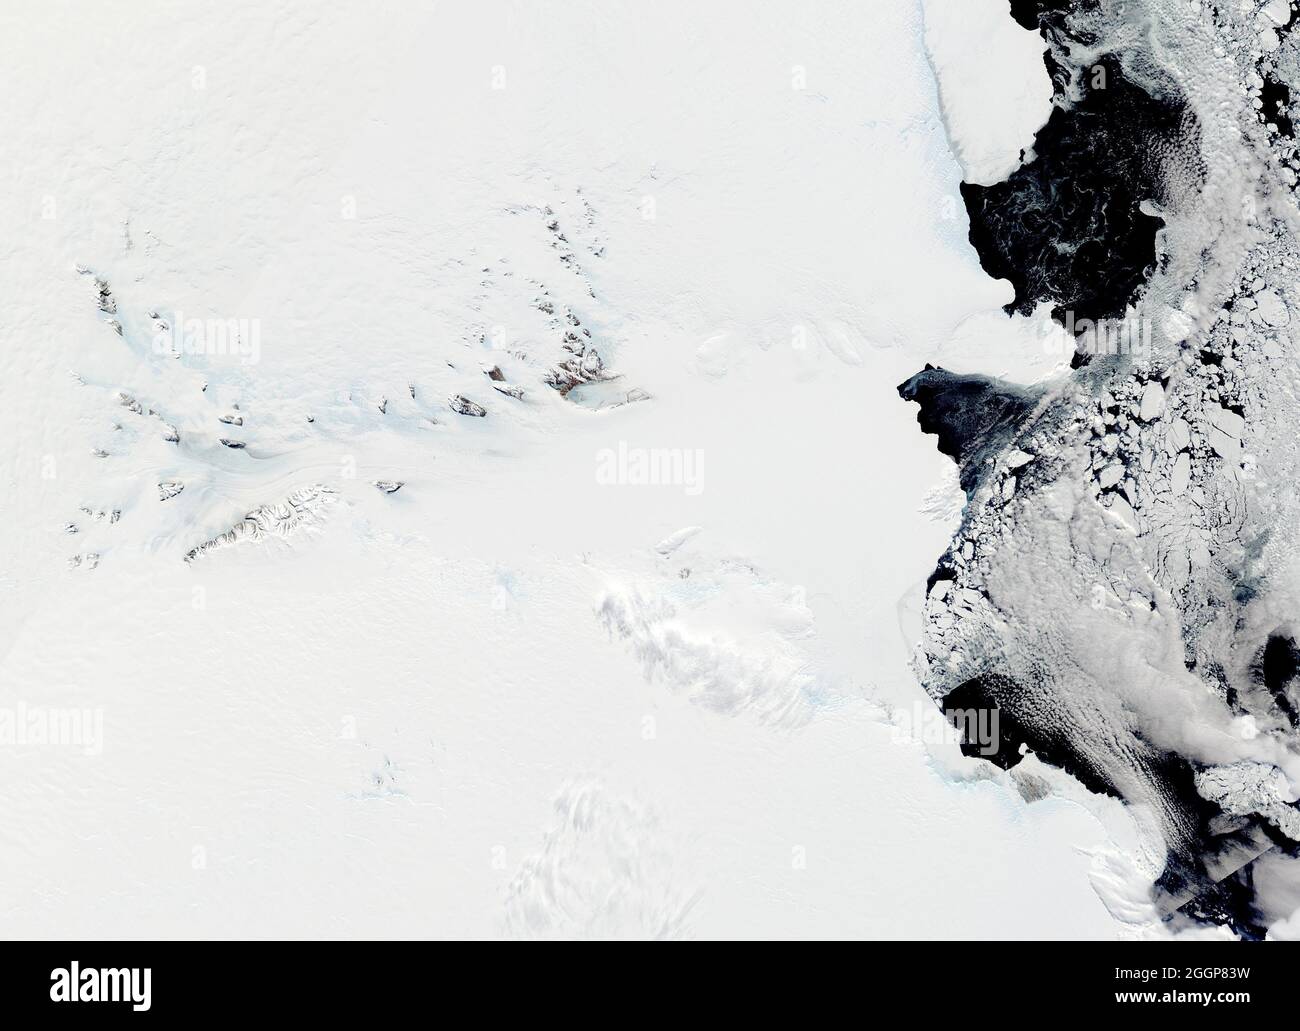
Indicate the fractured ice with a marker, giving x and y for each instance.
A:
(1122, 588)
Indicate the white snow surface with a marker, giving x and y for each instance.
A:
(506, 699)
(994, 90)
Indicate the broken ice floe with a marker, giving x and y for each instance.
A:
(1112, 597)
(1246, 788)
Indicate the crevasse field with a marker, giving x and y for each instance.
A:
(529, 693)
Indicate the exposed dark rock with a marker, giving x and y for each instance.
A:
(462, 405)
